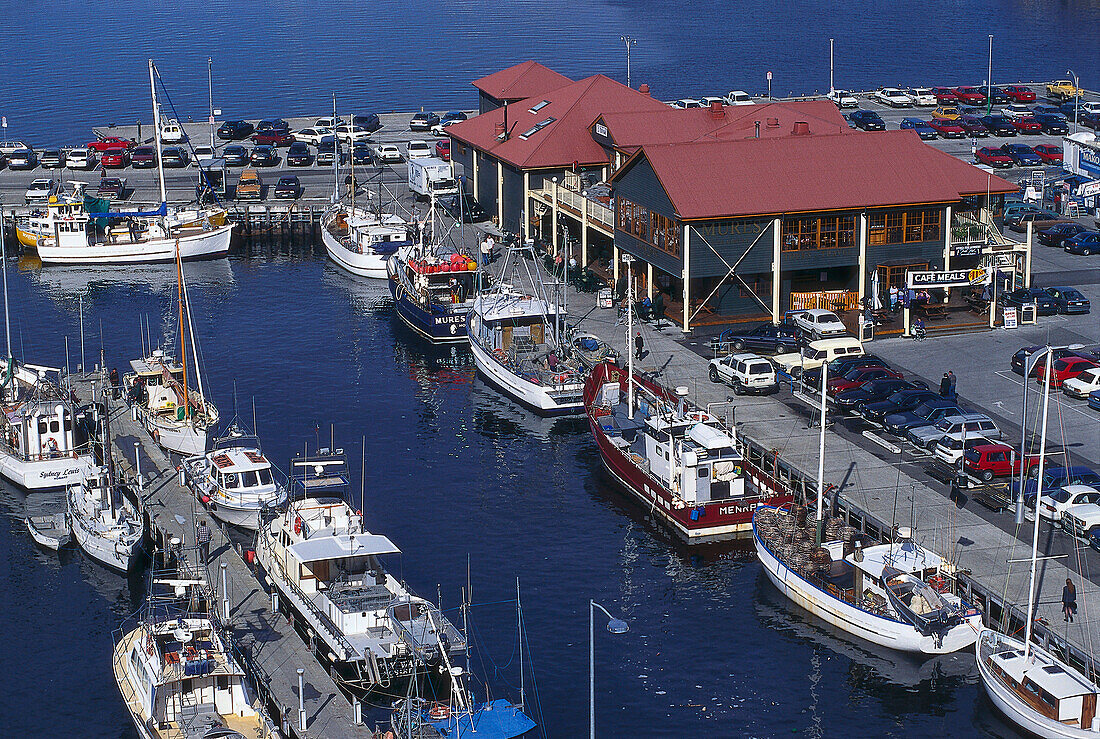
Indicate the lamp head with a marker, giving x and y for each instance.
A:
(617, 626)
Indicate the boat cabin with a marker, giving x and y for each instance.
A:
(42, 429)
(441, 280)
(242, 472)
(361, 233)
(1047, 687)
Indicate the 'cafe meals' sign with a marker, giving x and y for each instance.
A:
(948, 278)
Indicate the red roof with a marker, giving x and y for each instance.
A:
(562, 142)
(732, 122)
(523, 80)
(792, 174)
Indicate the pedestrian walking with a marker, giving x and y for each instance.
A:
(893, 297)
(1069, 601)
(951, 380)
(639, 346)
(202, 538)
(945, 386)
(490, 244)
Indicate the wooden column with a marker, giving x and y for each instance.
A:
(614, 267)
(649, 281)
(777, 252)
(863, 255)
(687, 279)
(1027, 255)
(554, 216)
(473, 152)
(525, 214)
(500, 195)
(947, 239)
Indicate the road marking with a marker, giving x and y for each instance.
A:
(1061, 400)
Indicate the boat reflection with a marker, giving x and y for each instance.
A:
(67, 282)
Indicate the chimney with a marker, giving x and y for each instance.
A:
(757, 129)
(801, 128)
(644, 89)
(717, 110)
(773, 123)
(498, 130)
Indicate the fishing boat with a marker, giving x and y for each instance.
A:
(371, 632)
(360, 241)
(1030, 685)
(83, 230)
(104, 523)
(897, 594)
(179, 680)
(419, 718)
(432, 284)
(235, 480)
(515, 332)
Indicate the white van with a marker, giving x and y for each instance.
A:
(817, 353)
(172, 132)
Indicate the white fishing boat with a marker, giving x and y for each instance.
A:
(360, 241)
(1031, 686)
(372, 632)
(898, 594)
(179, 680)
(105, 525)
(515, 331)
(158, 386)
(51, 532)
(235, 480)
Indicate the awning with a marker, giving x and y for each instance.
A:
(337, 547)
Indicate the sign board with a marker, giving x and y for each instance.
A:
(1010, 318)
(966, 250)
(950, 278)
(4, 119)
(1087, 190)
(1004, 259)
(769, 76)
(1038, 178)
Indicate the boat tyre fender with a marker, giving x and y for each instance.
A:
(150, 646)
(298, 525)
(156, 435)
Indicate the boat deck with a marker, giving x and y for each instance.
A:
(271, 650)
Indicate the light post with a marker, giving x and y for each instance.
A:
(629, 41)
(989, 81)
(615, 626)
(1076, 97)
(210, 92)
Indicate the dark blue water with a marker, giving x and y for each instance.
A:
(68, 69)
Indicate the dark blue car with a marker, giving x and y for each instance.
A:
(868, 120)
(1069, 300)
(928, 412)
(870, 391)
(899, 402)
(1084, 243)
(999, 125)
(1023, 155)
(1052, 124)
(768, 337)
(1057, 477)
(1057, 234)
(920, 126)
(1094, 400)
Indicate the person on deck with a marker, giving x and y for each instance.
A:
(639, 346)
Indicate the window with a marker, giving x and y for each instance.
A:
(265, 477)
(904, 227)
(652, 228)
(538, 106)
(814, 232)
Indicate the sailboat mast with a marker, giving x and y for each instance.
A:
(1038, 499)
(519, 628)
(336, 154)
(194, 344)
(156, 132)
(7, 314)
(183, 342)
(821, 457)
(629, 335)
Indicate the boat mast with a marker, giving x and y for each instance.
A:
(194, 344)
(336, 155)
(7, 314)
(628, 261)
(821, 458)
(183, 342)
(1038, 498)
(156, 132)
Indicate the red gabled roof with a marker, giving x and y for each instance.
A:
(733, 122)
(851, 170)
(566, 140)
(523, 80)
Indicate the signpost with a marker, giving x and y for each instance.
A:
(769, 85)
(948, 278)
(1010, 318)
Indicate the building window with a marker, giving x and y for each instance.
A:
(905, 226)
(813, 232)
(652, 228)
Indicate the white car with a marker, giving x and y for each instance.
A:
(440, 129)
(203, 153)
(418, 150)
(709, 99)
(172, 132)
(328, 122)
(1056, 502)
(739, 97)
(40, 190)
(685, 103)
(352, 133)
(818, 322)
(81, 158)
(894, 97)
(843, 99)
(1016, 111)
(7, 148)
(922, 96)
(746, 373)
(312, 135)
(950, 450)
(387, 153)
(1091, 106)
(1085, 383)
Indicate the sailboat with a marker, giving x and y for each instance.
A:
(898, 595)
(1031, 686)
(105, 525)
(356, 237)
(432, 284)
(176, 416)
(79, 229)
(515, 332)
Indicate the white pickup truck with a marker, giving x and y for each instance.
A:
(745, 373)
(1082, 519)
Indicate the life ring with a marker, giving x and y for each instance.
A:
(701, 416)
(298, 525)
(439, 712)
(613, 376)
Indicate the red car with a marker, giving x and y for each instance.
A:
(1064, 369)
(987, 461)
(857, 376)
(993, 157)
(1049, 153)
(111, 143)
(443, 149)
(1027, 124)
(270, 137)
(945, 95)
(970, 95)
(115, 159)
(1019, 93)
(947, 128)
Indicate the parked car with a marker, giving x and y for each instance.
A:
(1048, 110)
(235, 130)
(51, 159)
(1058, 233)
(947, 127)
(271, 137)
(927, 413)
(1054, 478)
(842, 99)
(816, 353)
(111, 143)
(1038, 369)
(80, 158)
(1019, 93)
(894, 97)
(1027, 124)
(298, 155)
(868, 120)
(972, 126)
(1055, 503)
(856, 376)
(947, 112)
(418, 150)
(745, 373)
(1064, 369)
(327, 151)
(682, 104)
(1089, 120)
(1055, 125)
(922, 96)
(898, 402)
(996, 95)
(171, 132)
(818, 322)
(1062, 90)
(1081, 520)
(235, 156)
(174, 156)
(329, 123)
(1040, 218)
(361, 153)
(370, 121)
(840, 364)
(114, 159)
(7, 147)
(1044, 304)
(993, 157)
(1048, 153)
(22, 159)
(424, 120)
(443, 149)
(468, 209)
(249, 186)
(312, 135)
(41, 190)
(111, 188)
(1094, 400)
(922, 128)
(202, 153)
(352, 133)
(954, 427)
(870, 391)
(143, 157)
(1016, 110)
(998, 125)
(278, 125)
(387, 153)
(1085, 243)
(987, 461)
(1083, 384)
(766, 337)
(1069, 300)
(289, 187)
(970, 95)
(740, 97)
(950, 450)
(263, 156)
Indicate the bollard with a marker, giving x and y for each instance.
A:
(357, 711)
(301, 700)
(137, 465)
(274, 600)
(183, 477)
(133, 413)
(225, 594)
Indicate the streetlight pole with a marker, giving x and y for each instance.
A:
(989, 81)
(615, 626)
(210, 91)
(1076, 97)
(629, 41)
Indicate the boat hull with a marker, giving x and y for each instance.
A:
(871, 627)
(27, 237)
(46, 474)
(368, 264)
(186, 440)
(109, 553)
(243, 518)
(448, 327)
(534, 397)
(51, 532)
(203, 245)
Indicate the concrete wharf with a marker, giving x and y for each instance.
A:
(264, 641)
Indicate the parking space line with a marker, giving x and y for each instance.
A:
(1061, 399)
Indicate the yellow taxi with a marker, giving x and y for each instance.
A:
(947, 112)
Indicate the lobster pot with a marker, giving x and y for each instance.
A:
(833, 529)
(848, 534)
(800, 515)
(766, 519)
(820, 559)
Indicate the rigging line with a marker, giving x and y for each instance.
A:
(534, 685)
